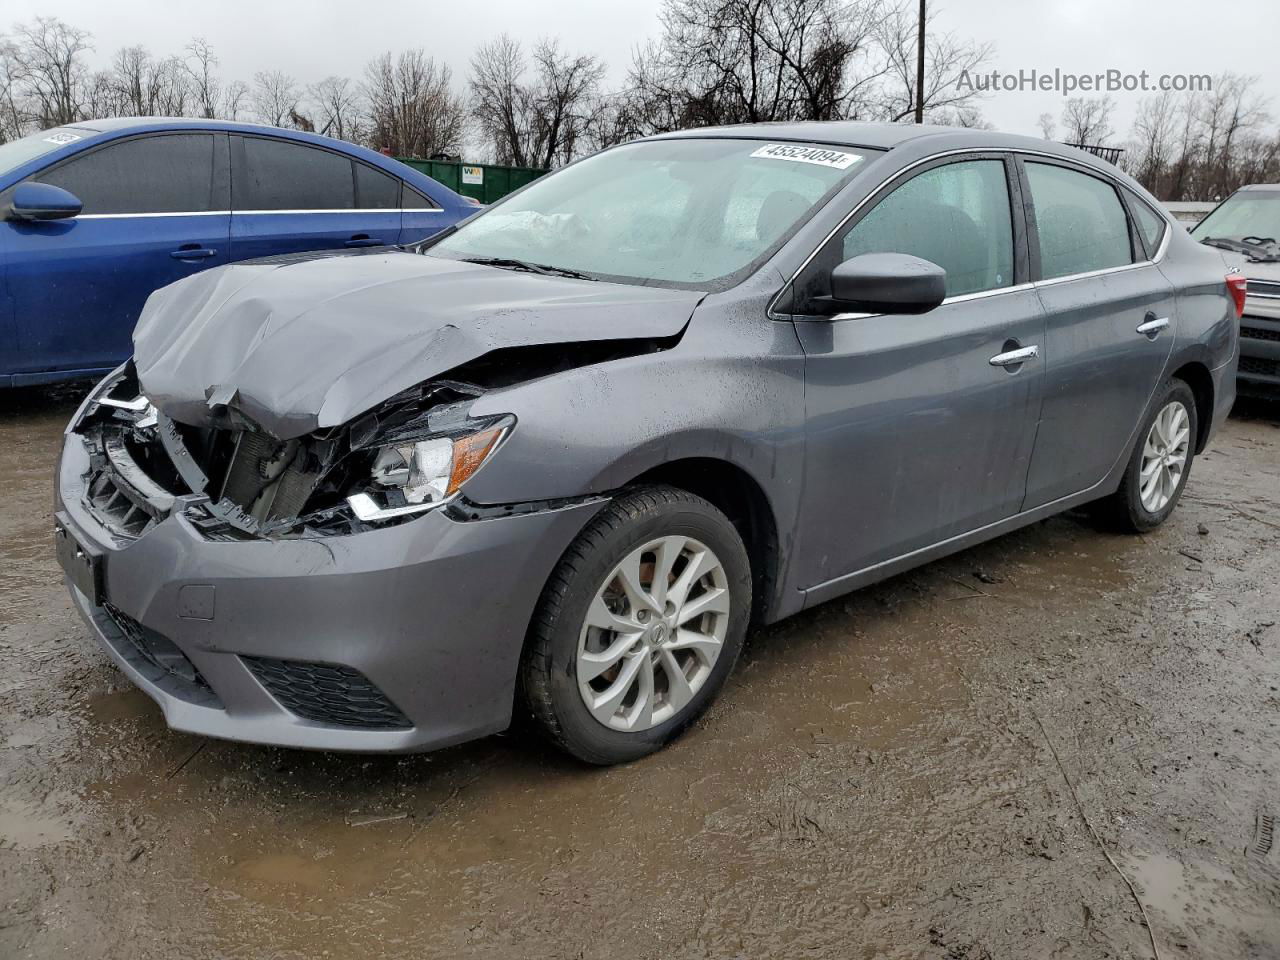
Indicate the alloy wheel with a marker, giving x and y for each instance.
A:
(1164, 456)
(653, 634)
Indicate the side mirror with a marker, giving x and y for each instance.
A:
(42, 201)
(886, 283)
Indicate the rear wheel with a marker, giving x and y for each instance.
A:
(638, 627)
(1160, 463)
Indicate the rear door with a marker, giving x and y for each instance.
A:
(1110, 326)
(155, 211)
(918, 430)
(288, 197)
(423, 215)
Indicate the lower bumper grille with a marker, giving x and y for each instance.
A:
(160, 661)
(1258, 333)
(1259, 366)
(327, 693)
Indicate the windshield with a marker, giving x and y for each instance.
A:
(1249, 213)
(17, 152)
(687, 213)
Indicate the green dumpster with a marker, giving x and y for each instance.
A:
(486, 182)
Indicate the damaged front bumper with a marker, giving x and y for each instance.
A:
(402, 638)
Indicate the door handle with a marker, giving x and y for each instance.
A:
(1151, 328)
(193, 253)
(364, 241)
(1014, 357)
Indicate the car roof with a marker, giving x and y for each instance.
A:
(887, 136)
(1261, 186)
(113, 124)
(126, 124)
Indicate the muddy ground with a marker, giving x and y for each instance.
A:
(879, 779)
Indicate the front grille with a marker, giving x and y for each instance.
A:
(1260, 367)
(1257, 333)
(113, 508)
(1264, 288)
(159, 660)
(327, 693)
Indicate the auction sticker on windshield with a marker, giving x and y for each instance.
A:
(799, 154)
(62, 138)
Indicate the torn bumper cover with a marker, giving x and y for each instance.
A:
(400, 638)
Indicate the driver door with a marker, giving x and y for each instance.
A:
(155, 211)
(915, 431)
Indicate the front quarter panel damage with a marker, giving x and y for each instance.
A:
(732, 389)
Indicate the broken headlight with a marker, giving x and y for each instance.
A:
(413, 476)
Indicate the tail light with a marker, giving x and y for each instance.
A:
(1238, 287)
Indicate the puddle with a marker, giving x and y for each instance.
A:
(1201, 904)
(28, 827)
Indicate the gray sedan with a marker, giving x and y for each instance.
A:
(556, 460)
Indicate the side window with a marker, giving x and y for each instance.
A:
(165, 173)
(413, 200)
(956, 216)
(280, 175)
(1150, 224)
(376, 190)
(1081, 223)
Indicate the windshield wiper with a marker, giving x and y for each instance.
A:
(546, 269)
(1257, 249)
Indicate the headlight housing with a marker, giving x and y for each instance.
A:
(413, 476)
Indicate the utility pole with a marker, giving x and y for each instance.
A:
(920, 67)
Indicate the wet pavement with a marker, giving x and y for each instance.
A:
(973, 760)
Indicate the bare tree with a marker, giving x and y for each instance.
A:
(274, 95)
(339, 108)
(1087, 120)
(1047, 125)
(234, 97)
(1187, 148)
(1231, 112)
(48, 64)
(13, 117)
(534, 115)
(1202, 145)
(948, 58)
(728, 61)
(967, 116)
(1151, 141)
(413, 109)
(206, 90)
(146, 87)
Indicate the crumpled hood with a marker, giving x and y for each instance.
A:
(305, 345)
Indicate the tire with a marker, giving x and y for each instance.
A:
(687, 535)
(1126, 508)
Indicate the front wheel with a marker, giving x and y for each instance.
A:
(1160, 463)
(639, 626)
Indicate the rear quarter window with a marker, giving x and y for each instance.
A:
(1150, 224)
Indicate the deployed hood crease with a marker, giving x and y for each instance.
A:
(301, 346)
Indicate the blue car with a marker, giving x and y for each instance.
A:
(99, 214)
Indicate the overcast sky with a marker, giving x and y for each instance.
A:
(318, 37)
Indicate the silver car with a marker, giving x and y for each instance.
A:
(557, 459)
(1247, 224)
